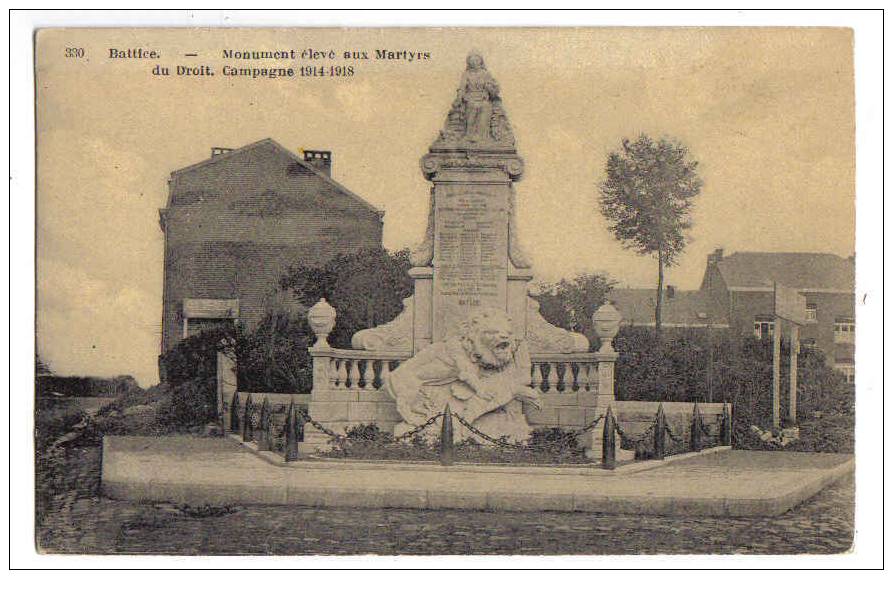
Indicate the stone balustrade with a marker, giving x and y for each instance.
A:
(346, 391)
(352, 370)
(360, 369)
(565, 373)
(576, 387)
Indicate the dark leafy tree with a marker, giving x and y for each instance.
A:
(571, 303)
(366, 289)
(647, 197)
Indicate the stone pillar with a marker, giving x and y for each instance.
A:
(226, 385)
(321, 317)
(326, 406)
(606, 394)
(516, 303)
(605, 398)
(421, 307)
(606, 321)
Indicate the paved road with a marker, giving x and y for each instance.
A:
(80, 522)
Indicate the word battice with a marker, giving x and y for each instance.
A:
(133, 53)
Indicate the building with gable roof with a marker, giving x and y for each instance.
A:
(743, 283)
(681, 309)
(737, 293)
(234, 223)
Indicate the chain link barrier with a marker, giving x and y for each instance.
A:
(704, 428)
(418, 429)
(502, 442)
(517, 445)
(638, 439)
(340, 438)
(670, 433)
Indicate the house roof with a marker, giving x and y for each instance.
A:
(803, 271)
(686, 308)
(218, 159)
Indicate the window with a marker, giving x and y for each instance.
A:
(764, 327)
(811, 313)
(844, 331)
(848, 370)
(198, 325)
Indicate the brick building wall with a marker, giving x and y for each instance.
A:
(829, 308)
(236, 222)
(832, 306)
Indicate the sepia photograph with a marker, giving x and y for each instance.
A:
(403, 291)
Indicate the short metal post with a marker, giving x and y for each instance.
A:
(660, 432)
(726, 426)
(265, 440)
(291, 434)
(609, 453)
(696, 429)
(234, 408)
(447, 452)
(247, 425)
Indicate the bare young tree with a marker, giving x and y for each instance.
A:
(647, 199)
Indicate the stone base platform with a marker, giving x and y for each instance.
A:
(200, 471)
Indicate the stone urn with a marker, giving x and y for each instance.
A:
(606, 321)
(321, 317)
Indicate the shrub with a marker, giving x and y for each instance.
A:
(677, 368)
(191, 403)
(554, 440)
(196, 356)
(274, 357)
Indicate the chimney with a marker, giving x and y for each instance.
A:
(320, 160)
(671, 291)
(716, 256)
(218, 151)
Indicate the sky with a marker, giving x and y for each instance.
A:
(768, 114)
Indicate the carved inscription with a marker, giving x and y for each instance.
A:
(471, 256)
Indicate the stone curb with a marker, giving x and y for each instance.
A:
(594, 469)
(122, 479)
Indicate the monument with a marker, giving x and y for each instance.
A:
(470, 324)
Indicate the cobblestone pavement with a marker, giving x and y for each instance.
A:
(80, 522)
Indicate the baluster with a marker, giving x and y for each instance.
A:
(553, 377)
(333, 373)
(342, 373)
(583, 376)
(354, 374)
(567, 378)
(536, 375)
(570, 381)
(368, 374)
(383, 374)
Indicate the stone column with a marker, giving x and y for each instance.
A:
(422, 320)
(606, 321)
(227, 382)
(321, 317)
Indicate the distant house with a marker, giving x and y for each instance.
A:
(743, 283)
(234, 223)
(681, 308)
(737, 293)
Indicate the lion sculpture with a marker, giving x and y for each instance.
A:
(482, 373)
